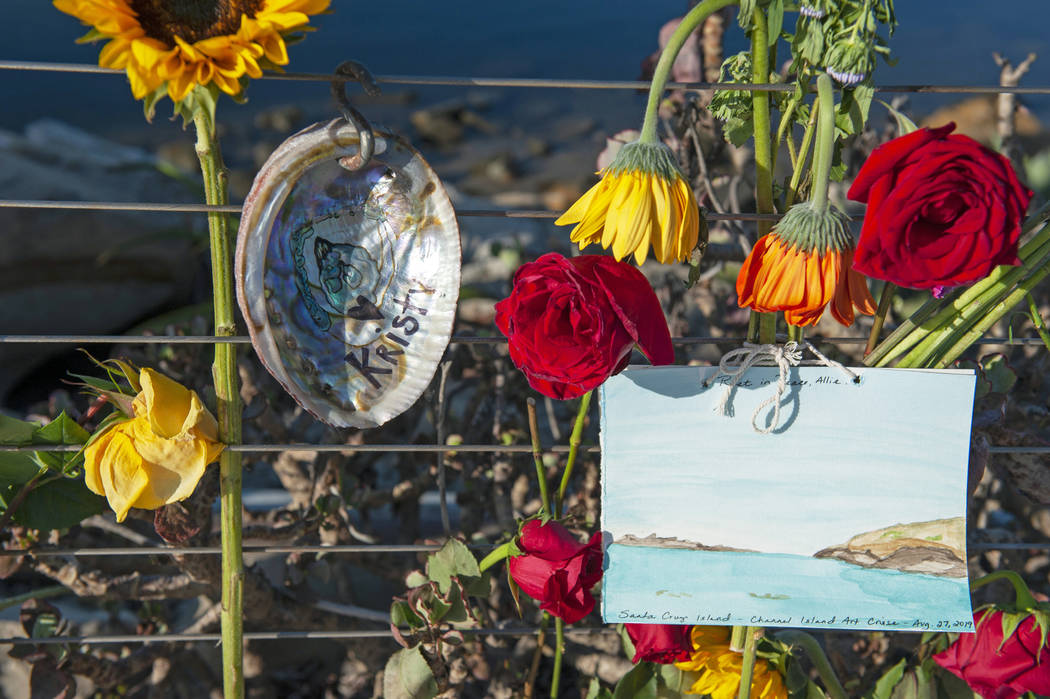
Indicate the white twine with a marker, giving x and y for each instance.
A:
(784, 357)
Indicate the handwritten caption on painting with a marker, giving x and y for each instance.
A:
(634, 616)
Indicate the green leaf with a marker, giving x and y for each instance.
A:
(639, 683)
(16, 469)
(953, 687)
(775, 20)
(737, 131)
(452, 559)
(401, 614)
(916, 684)
(904, 124)
(815, 692)
(884, 687)
(62, 430)
(16, 432)
(747, 8)
(1000, 375)
(595, 690)
(408, 676)
(1011, 621)
(59, 504)
(673, 680)
(415, 579)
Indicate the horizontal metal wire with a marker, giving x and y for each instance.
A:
(455, 339)
(165, 207)
(415, 448)
(460, 81)
(347, 549)
(277, 636)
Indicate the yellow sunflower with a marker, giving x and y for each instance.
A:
(642, 200)
(183, 43)
(720, 667)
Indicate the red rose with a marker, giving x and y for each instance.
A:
(943, 210)
(556, 570)
(660, 643)
(994, 672)
(572, 323)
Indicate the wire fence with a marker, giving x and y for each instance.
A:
(360, 549)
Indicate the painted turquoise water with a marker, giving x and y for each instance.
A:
(675, 586)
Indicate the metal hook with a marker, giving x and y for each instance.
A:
(367, 144)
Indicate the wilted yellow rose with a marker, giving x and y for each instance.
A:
(158, 456)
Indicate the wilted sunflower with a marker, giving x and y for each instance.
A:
(641, 200)
(719, 668)
(183, 43)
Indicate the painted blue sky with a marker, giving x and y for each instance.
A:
(847, 459)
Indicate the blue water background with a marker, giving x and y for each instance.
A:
(946, 43)
(714, 585)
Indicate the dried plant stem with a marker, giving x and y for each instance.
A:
(228, 407)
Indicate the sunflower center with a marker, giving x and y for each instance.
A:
(192, 20)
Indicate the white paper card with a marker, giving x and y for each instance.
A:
(851, 514)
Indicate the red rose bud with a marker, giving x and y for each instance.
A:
(556, 570)
(997, 672)
(572, 323)
(943, 210)
(660, 643)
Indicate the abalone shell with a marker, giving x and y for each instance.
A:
(348, 280)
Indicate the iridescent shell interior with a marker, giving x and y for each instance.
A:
(348, 279)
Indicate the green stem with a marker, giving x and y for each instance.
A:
(228, 408)
(1022, 595)
(748, 667)
(760, 108)
(816, 654)
(691, 21)
(885, 301)
(796, 333)
(559, 650)
(39, 593)
(800, 162)
(824, 150)
(574, 445)
(537, 457)
(1038, 322)
(975, 306)
(767, 328)
(992, 316)
(736, 639)
(496, 555)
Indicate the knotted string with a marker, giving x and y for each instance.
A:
(784, 357)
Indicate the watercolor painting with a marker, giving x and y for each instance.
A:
(851, 514)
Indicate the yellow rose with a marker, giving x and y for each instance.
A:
(158, 456)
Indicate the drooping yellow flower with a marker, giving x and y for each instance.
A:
(720, 667)
(158, 456)
(642, 200)
(183, 43)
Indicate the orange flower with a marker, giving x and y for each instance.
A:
(779, 276)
